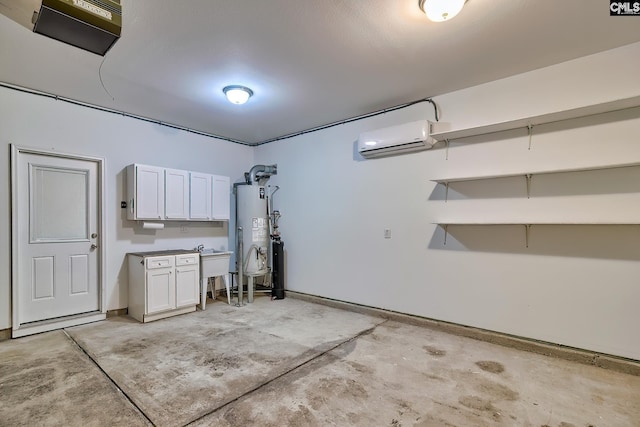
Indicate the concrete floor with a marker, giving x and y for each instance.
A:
(296, 363)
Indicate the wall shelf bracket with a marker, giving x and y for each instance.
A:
(528, 179)
(527, 228)
(446, 191)
(446, 231)
(446, 149)
(530, 131)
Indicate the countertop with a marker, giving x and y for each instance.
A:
(164, 252)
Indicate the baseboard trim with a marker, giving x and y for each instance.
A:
(117, 312)
(606, 361)
(5, 334)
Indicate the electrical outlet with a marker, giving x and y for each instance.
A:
(387, 233)
(184, 229)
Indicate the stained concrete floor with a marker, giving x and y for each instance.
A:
(295, 363)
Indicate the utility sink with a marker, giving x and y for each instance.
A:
(213, 252)
(214, 263)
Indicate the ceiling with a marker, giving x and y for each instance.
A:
(308, 62)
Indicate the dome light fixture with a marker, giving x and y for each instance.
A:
(441, 10)
(237, 94)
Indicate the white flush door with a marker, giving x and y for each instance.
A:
(56, 215)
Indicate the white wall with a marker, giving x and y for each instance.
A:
(38, 122)
(575, 285)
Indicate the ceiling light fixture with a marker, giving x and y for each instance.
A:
(441, 10)
(237, 94)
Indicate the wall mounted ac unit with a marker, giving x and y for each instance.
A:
(93, 25)
(399, 139)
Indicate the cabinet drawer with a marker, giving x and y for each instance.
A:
(188, 259)
(159, 262)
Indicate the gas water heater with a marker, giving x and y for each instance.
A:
(256, 227)
(251, 207)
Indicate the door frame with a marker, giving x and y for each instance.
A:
(17, 328)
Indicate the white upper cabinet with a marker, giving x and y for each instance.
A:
(200, 196)
(221, 198)
(176, 194)
(156, 193)
(145, 187)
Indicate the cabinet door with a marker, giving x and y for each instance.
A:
(149, 198)
(176, 194)
(187, 286)
(200, 196)
(221, 197)
(161, 290)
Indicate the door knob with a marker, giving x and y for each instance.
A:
(94, 235)
(94, 246)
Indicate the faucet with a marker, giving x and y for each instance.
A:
(199, 248)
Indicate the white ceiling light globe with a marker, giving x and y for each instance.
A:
(237, 94)
(441, 10)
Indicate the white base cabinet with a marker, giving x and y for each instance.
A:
(163, 285)
(187, 280)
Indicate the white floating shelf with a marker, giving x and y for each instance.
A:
(557, 116)
(533, 172)
(608, 222)
(527, 225)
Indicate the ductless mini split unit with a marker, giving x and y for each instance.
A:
(405, 138)
(92, 25)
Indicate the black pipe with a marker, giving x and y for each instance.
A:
(277, 292)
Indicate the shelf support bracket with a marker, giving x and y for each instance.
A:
(446, 231)
(446, 191)
(527, 228)
(530, 130)
(528, 179)
(446, 148)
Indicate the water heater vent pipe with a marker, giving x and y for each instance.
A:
(261, 172)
